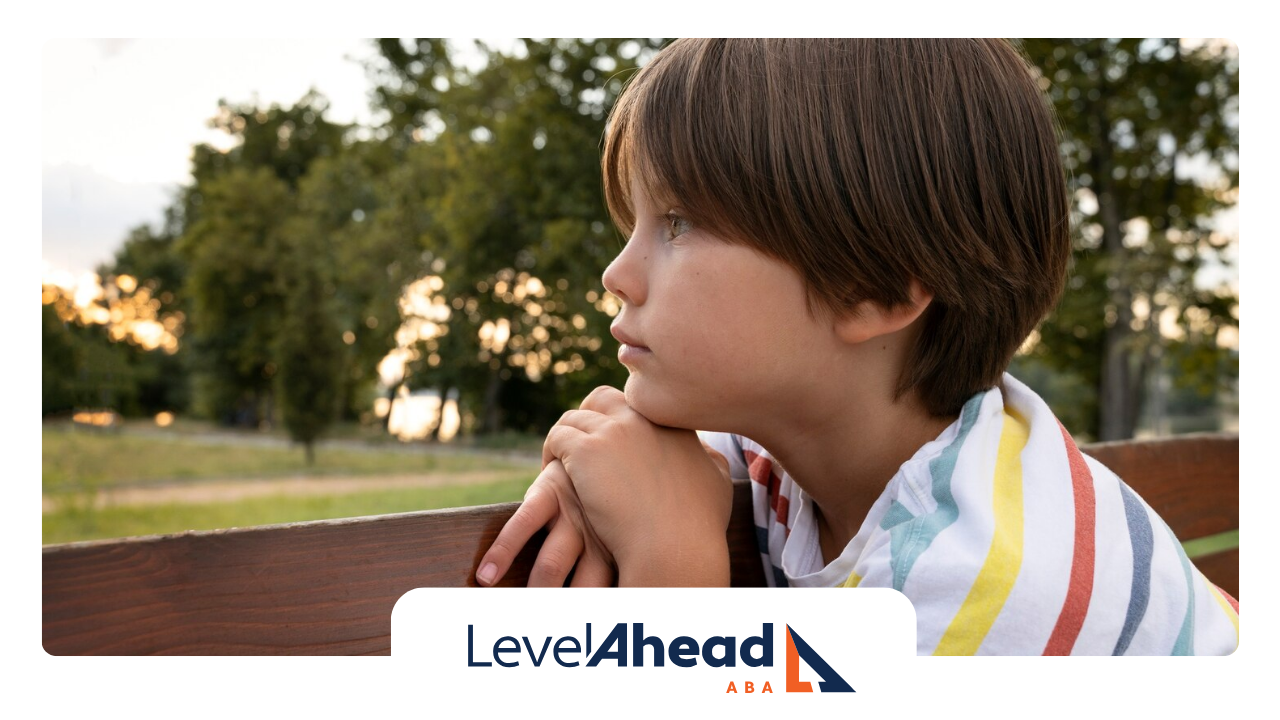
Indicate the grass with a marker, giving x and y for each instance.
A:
(77, 460)
(1212, 544)
(505, 440)
(77, 521)
(183, 425)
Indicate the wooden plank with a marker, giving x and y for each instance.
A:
(323, 587)
(306, 588)
(1192, 481)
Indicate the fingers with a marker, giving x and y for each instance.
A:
(604, 399)
(557, 556)
(561, 442)
(592, 571)
(598, 408)
(589, 422)
(718, 457)
(538, 509)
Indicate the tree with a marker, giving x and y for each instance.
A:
(308, 348)
(519, 223)
(60, 359)
(231, 218)
(338, 200)
(285, 139)
(150, 257)
(234, 252)
(1134, 115)
(83, 367)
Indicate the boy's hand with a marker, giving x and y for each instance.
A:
(652, 494)
(551, 501)
(655, 501)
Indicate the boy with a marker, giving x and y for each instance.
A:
(836, 247)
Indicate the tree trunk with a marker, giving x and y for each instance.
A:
(1152, 356)
(391, 402)
(1114, 388)
(434, 435)
(268, 419)
(492, 412)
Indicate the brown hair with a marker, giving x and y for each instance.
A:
(861, 164)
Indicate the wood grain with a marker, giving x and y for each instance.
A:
(1192, 481)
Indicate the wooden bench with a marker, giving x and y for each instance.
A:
(328, 587)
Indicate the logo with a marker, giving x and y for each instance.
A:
(756, 651)
(797, 648)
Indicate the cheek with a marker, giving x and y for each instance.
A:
(757, 320)
(726, 350)
(731, 336)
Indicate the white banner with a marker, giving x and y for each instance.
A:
(687, 644)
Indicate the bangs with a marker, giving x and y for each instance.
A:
(651, 139)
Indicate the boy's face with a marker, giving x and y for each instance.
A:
(728, 335)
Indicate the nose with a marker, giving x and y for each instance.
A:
(625, 276)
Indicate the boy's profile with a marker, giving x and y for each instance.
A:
(835, 248)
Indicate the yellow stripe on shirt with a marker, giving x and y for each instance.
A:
(1004, 559)
(1226, 607)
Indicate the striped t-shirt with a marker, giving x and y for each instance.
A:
(1006, 539)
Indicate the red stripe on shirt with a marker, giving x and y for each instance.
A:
(760, 468)
(1080, 590)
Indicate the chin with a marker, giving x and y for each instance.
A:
(658, 406)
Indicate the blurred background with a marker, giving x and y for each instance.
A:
(293, 280)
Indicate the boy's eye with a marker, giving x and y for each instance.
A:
(676, 225)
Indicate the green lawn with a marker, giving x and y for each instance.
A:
(1212, 544)
(77, 522)
(365, 433)
(78, 459)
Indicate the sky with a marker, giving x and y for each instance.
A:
(119, 119)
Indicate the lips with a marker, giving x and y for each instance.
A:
(626, 338)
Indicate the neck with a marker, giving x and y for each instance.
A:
(844, 447)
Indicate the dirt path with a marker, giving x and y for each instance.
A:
(214, 491)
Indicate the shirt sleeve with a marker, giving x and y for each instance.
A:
(727, 444)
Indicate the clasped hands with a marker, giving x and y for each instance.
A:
(620, 494)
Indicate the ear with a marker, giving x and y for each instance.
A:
(871, 320)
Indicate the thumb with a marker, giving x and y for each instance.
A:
(717, 457)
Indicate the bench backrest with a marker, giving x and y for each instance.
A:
(1193, 482)
(328, 587)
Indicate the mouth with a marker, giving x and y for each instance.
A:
(631, 354)
(627, 340)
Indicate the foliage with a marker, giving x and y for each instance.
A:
(84, 368)
(308, 349)
(337, 200)
(234, 253)
(285, 140)
(1133, 114)
(60, 361)
(465, 236)
(516, 145)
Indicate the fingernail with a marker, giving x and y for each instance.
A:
(487, 572)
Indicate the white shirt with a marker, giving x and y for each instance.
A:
(1007, 541)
